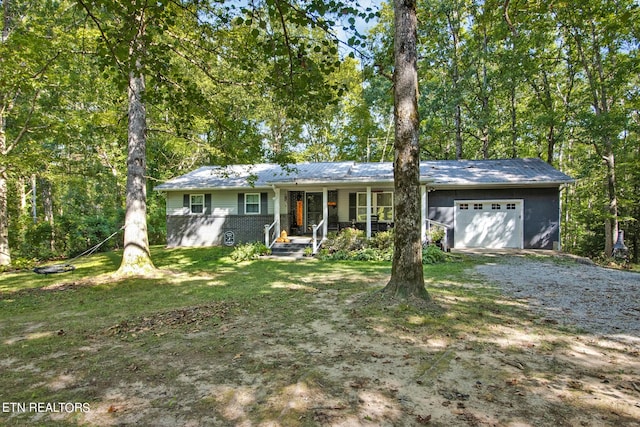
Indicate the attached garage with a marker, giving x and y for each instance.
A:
(493, 224)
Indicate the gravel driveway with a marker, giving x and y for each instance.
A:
(594, 299)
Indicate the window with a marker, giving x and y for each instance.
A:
(381, 205)
(197, 203)
(495, 206)
(511, 206)
(384, 206)
(464, 206)
(252, 203)
(477, 206)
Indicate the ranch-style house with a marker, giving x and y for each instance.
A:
(510, 203)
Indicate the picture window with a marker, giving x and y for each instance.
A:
(381, 205)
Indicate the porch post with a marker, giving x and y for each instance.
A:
(368, 212)
(425, 209)
(325, 211)
(276, 210)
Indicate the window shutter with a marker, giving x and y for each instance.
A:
(264, 203)
(186, 201)
(352, 206)
(207, 204)
(240, 203)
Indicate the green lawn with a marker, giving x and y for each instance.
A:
(213, 342)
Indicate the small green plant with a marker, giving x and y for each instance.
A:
(435, 235)
(433, 255)
(249, 251)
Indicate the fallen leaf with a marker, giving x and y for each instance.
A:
(423, 419)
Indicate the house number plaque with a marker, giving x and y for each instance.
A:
(229, 238)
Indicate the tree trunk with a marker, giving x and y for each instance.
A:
(611, 221)
(453, 20)
(47, 207)
(407, 277)
(5, 255)
(136, 258)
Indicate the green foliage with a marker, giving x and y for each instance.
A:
(433, 255)
(78, 234)
(382, 240)
(351, 244)
(249, 251)
(266, 81)
(36, 242)
(435, 234)
(348, 239)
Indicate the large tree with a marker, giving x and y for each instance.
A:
(602, 35)
(28, 48)
(407, 274)
(164, 50)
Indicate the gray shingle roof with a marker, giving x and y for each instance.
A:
(436, 173)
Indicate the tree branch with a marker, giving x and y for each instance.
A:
(103, 35)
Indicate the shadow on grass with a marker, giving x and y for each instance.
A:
(212, 342)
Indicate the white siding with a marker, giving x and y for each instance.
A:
(174, 204)
(223, 203)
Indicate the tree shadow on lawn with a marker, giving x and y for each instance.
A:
(302, 344)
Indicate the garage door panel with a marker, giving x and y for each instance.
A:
(488, 226)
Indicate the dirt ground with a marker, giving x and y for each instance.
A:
(346, 370)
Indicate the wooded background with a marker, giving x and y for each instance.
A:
(279, 81)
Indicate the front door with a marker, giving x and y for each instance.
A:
(314, 209)
(296, 213)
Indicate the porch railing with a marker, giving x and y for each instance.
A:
(315, 242)
(445, 238)
(270, 236)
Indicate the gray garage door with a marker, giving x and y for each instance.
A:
(493, 224)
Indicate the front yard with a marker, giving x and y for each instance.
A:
(213, 342)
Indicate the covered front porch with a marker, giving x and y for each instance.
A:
(316, 211)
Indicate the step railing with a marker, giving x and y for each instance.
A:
(270, 236)
(315, 242)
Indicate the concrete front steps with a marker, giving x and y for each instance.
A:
(294, 249)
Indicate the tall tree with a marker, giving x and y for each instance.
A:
(124, 32)
(26, 55)
(136, 258)
(602, 34)
(149, 40)
(407, 274)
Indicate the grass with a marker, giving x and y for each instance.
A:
(215, 342)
